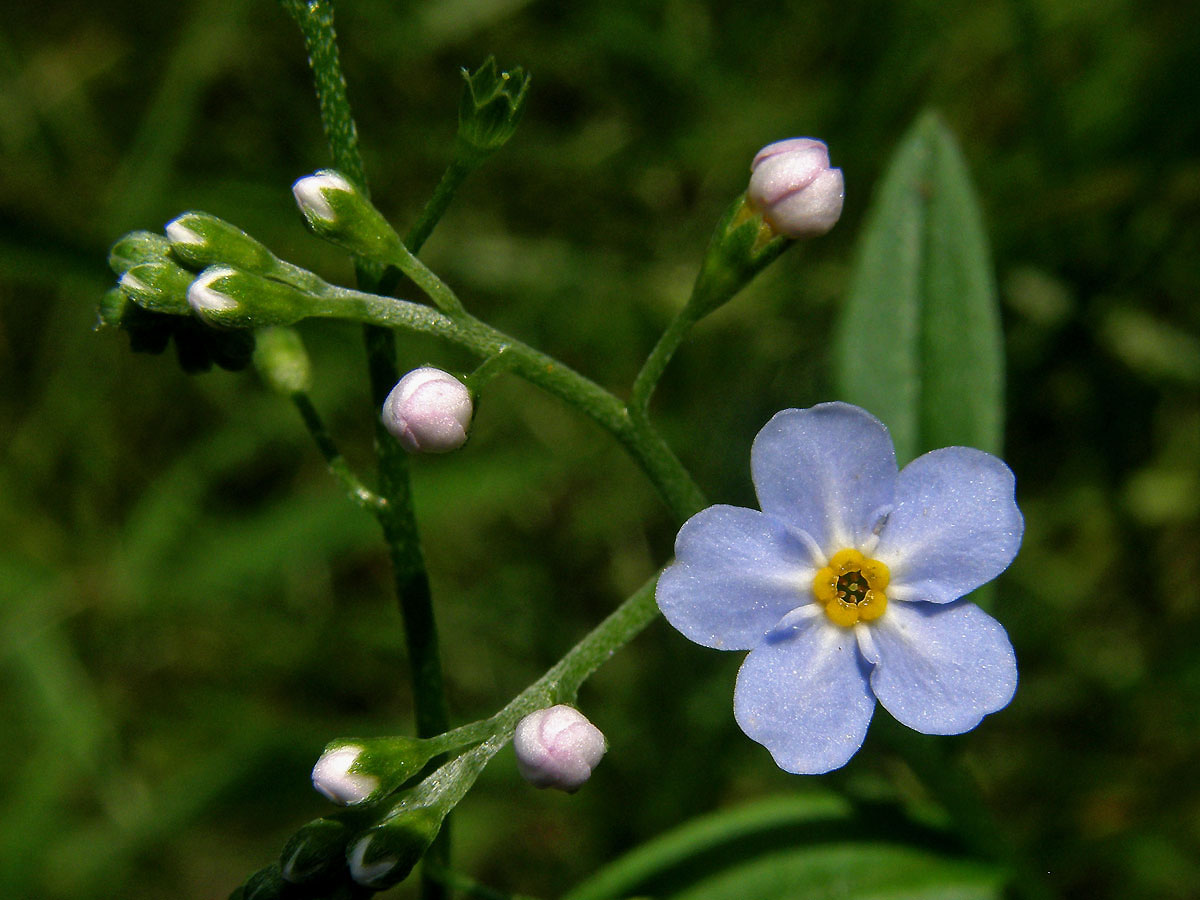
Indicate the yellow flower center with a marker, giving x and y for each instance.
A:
(852, 587)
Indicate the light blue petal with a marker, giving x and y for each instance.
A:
(941, 669)
(736, 573)
(804, 696)
(955, 525)
(825, 470)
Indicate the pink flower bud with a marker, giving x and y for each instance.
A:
(429, 411)
(557, 747)
(793, 186)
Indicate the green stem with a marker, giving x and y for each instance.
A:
(422, 276)
(456, 173)
(358, 492)
(315, 19)
(656, 363)
(672, 480)
(560, 684)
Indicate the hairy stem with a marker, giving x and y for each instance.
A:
(315, 19)
(647, 448)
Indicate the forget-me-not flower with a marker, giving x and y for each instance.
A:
(846, 587)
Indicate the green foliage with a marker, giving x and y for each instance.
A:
(919, 340)
(809, 845)
(189, 609)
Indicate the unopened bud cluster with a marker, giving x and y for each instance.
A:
(206, 270)
(203, 271)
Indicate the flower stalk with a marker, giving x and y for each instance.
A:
(396, 516)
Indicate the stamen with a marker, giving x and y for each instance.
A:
(851, 588)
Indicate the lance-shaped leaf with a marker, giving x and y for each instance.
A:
(919, 341)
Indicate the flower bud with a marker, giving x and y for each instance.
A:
(265, 884)
(199, 240)
(315, 852)
(114, 308)
(281, 360)
(557, 747)
(137, 247)
(491, 107)
(362, 770)
(429, 411)
(233, 299)
(793, 186)
(386, 854)
(339, 212)
(335, 775)
(159, 286)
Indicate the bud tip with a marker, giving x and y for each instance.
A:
(795, 189)
(179, 233)
(309, 192)
(365, 873)
(203, 297)
(332, 776)
(131, 282)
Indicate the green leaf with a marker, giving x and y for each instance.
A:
(919, 342)
(852, 872)
(807, 846)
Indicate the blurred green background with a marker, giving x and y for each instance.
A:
(189, 609)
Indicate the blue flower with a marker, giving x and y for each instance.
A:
(846, 587)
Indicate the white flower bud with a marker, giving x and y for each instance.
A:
(332, 776)
(793, 186)
(310, 194)
(557, 747)
(369, 874)
(429, 411)
(132, 284)
(203, 297)
(179, 232)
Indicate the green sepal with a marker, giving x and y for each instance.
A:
(281, 360)
(148, 332)
(389, 760)
(316, 853)
(135, 248)
(385, 855)
(266, 884)
(491, 107)
(351, 220)
(231, 351)
(196, 345)
(198, 240)
(742, 245)
(229, 298)
(159, 286)
(114, 307)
